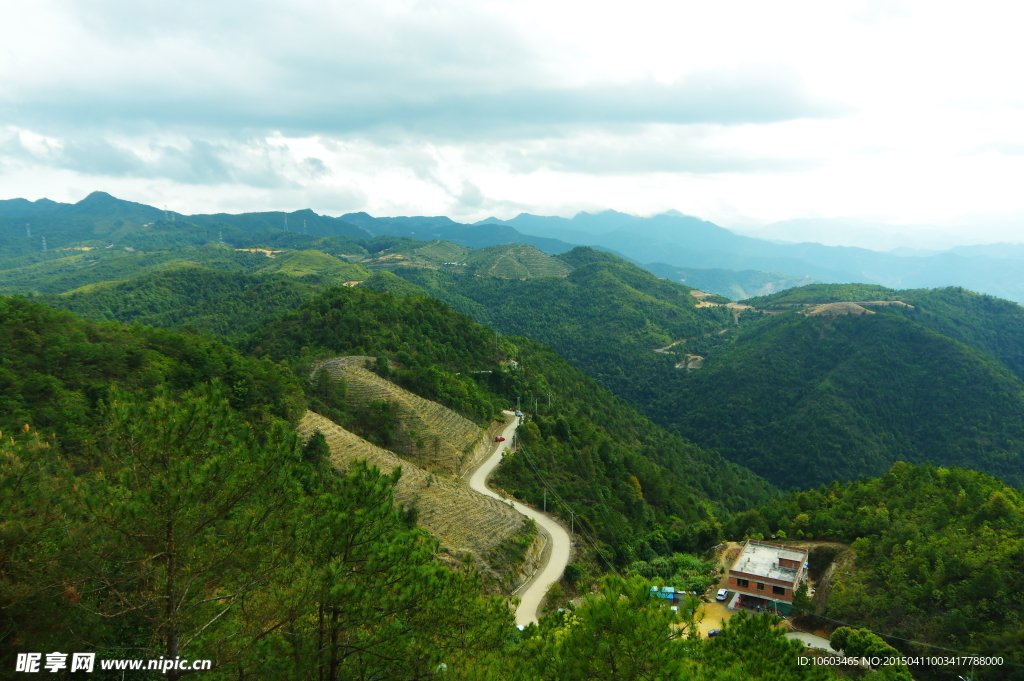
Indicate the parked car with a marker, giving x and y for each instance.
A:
(499, 438)
(714, 632)
(722, 594)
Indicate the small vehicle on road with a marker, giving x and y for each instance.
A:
(714, 632)
(722, 594)
(499, 438)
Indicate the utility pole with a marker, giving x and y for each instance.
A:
(44, 244)
(517, 399)
(535, 406)
(545, 499)
(549, 400)
(304, 227)
(572, 522)
(286, 222)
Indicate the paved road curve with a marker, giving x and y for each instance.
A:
(558, 556)
(811, 641)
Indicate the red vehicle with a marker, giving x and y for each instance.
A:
(499, 438)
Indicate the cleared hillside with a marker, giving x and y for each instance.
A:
(463, 520)
(450, 443)
(516, 261)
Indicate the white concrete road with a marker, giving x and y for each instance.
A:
(811, 641)
(558, 556)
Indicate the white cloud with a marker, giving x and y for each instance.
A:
(734, 111)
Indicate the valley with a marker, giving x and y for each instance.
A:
(659, 420)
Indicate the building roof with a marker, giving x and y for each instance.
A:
(762, 559)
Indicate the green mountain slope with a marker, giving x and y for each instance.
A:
(436, 352)
(938, 560)
(990, 324)
(59, 272)
(185, 481)
(229, 304)
(816, 398)
(587, 442)
(801, 400)
(56, 370)
(607, 317)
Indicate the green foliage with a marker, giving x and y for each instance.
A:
(594, 450)
(384, 280)
(511, 552)
(184, 531)
(683, 571)
(56, 370)
(939, 556)
(57, 271)
(619, 633)
(823, 293)
(435, 347)
(229, 304)
(864, 644)
(805, 400)
(186, 512)
(607, 317)
(436, 352)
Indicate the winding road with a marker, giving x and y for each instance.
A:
(558, 552)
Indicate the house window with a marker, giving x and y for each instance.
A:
(778, 590)
(742, 582)
(760, 586)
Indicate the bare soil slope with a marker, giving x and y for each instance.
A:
(463, 520)
(452, 443)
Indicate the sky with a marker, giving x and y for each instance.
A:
(743, 113)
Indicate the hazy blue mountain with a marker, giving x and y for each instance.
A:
(672, 238)
(24, 207)
(875, 236)
(729, 283)
(688, 242)
(302, 221)
(1002, 251)
(474, 236)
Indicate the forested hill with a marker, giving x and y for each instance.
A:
(56, 371)
(934, 376)
(607, 317)
(623, 475)
(436, 351)
(990, 324)
(939, 560)
(817, 398)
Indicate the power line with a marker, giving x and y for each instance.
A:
(587, 536)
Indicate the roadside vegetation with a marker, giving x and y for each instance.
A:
(938, 557)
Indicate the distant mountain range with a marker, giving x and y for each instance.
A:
(673, 245)
(685, 241)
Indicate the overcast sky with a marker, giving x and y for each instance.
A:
(739, 112)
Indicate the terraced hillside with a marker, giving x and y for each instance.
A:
(516, 261)
(463, 520)
(507, 261)
(435, 437)
(307, 262)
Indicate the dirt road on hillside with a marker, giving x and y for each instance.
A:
(558, 553)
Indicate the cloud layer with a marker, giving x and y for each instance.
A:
(901, 111)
